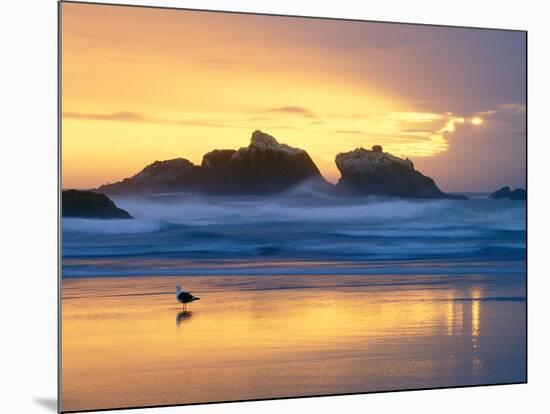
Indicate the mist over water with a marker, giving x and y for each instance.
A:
(297, 231)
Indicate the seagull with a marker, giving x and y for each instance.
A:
(184, 297)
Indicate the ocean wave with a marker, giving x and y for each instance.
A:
(305, 227)
(203, 210)
(443, 232)
(115, 226)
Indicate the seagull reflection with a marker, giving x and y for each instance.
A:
(182, 316)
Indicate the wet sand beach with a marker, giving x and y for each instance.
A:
(126, 341)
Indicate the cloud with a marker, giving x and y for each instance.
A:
(101, 37)
(115, 116)
(493, 151)
(290, 109)
(347, 131)
(513, 107)
(128, 116)
(416, 131)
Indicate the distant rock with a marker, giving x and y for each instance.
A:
(264, 167)
(506, 192)
(88, 204)
(366, 172)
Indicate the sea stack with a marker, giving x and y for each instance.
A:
(375, 172)
(265, 166)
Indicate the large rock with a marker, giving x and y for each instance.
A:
(160, 176)
(264, 167)
(506, 192)
(88, 204)
(375, 172)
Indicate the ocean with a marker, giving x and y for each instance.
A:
(299, 233)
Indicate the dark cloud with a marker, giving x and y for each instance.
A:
(290, 109)
(482, 158)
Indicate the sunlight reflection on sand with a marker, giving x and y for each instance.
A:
(126, 341)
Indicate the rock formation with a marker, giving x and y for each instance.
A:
(88, 204)
(505, 192)
(160, 176)
(374, 172)
(264, 167)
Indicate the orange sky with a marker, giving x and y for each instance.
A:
(142, 84)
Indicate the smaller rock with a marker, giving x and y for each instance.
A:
(518, 194)
(378, 173)
(160, 176)
(164, 171)
(506, 193)
(88, 204)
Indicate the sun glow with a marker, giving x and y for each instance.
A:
(476, 120)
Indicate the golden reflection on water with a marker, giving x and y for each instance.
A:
(477, 363)
(126, 342)
(455, 314)
(450, 315)
(476, 295)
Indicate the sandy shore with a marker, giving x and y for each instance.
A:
(127, 343)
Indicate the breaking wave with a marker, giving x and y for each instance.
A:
(302, 225)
